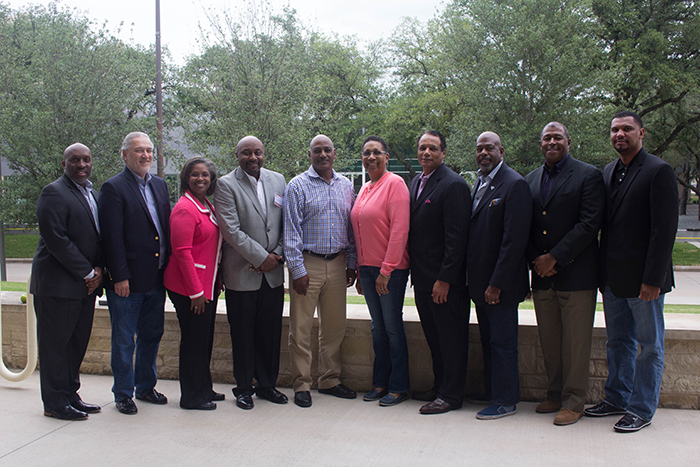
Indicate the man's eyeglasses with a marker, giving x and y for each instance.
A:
(376, 153)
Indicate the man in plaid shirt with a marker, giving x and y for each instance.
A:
(320, 251)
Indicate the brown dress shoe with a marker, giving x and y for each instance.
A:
(548, 406)
(567, 417)
(435, 407)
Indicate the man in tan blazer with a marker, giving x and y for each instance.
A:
(248, 205)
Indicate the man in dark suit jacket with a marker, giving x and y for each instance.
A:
(134, 219)
(66, 277)
(497, 270)
(437, 247)
(568, 200)
(636, 244)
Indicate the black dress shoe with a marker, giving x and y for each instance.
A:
(206, 406)
(425, 396)
(154, 397)
(85, 407)
(272, 394)
(66, 413)
(435, 407)
(341, 391)
(603, 410)
(127, 406)
(245, 401)
(217, 396)
(302, 398)
(631, 423)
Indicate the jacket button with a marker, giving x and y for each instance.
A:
(157, 254)
(544, 232)
(544, 213)
(156, 237)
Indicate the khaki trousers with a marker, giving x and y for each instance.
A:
(327, 291)
(565, 325)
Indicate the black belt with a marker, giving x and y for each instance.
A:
(330, 257)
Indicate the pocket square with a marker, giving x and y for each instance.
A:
(495, 202)
(427, 201)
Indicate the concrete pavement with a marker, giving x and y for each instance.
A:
(333, 432)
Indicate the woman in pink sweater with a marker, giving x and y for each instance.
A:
(380, 220)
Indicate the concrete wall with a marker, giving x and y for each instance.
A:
(680, 387)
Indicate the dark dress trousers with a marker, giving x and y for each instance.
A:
(437, 243)
(498, 235)
(69, 248)
(566, 225)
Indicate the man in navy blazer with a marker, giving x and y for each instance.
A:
(134, 219)
(437, 247)
(66, 277)
(497, 270)
(568, 200)
(636, 244)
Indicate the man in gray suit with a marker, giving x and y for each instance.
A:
(248, 205)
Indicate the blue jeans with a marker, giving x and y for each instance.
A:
(141, 315)
(388, 334)
(634, 381)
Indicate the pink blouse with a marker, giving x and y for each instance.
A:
(380, 220)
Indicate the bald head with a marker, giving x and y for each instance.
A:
(489, 151)
(77, 163)
(251, 155)
(322, 155)
(79, 147)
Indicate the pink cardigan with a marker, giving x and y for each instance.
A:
(196, 249)
(380, 218)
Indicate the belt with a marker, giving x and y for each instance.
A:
(330, 257)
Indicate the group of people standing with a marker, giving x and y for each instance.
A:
(457, 244)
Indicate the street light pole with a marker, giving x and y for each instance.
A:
(159, 97)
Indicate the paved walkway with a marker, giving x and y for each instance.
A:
(333, 432)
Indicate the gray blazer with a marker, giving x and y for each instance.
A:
(249, 234)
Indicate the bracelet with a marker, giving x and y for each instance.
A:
(388, 277)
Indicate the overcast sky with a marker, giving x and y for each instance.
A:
(180, 19)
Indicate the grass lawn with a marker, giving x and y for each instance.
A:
(20, 246)
(685, 254)
(409, 301)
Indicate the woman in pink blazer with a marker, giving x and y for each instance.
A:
(190, 278)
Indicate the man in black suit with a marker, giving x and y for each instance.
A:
(497, 270)
(437, 247)
(134, 219)
(66, 277)
(636, 244)
(568, 201)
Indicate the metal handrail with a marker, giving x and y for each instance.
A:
(32, 349)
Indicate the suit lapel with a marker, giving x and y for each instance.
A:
(537, 186)
(491, 190)
(134, 185)
(81, 198)
(558, 183)
(430, 186)
(634, 169)
(249, 191)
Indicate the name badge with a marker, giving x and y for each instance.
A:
(278, 200)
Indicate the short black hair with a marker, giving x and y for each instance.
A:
(443, 141)
(378, 139)
(629, 113)
(187, 170)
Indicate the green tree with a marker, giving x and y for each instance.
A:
(264, 74)
(60, 82)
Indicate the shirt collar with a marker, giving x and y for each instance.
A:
(491, 174)
(557, 167)
(312, 173)
(138, 178)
